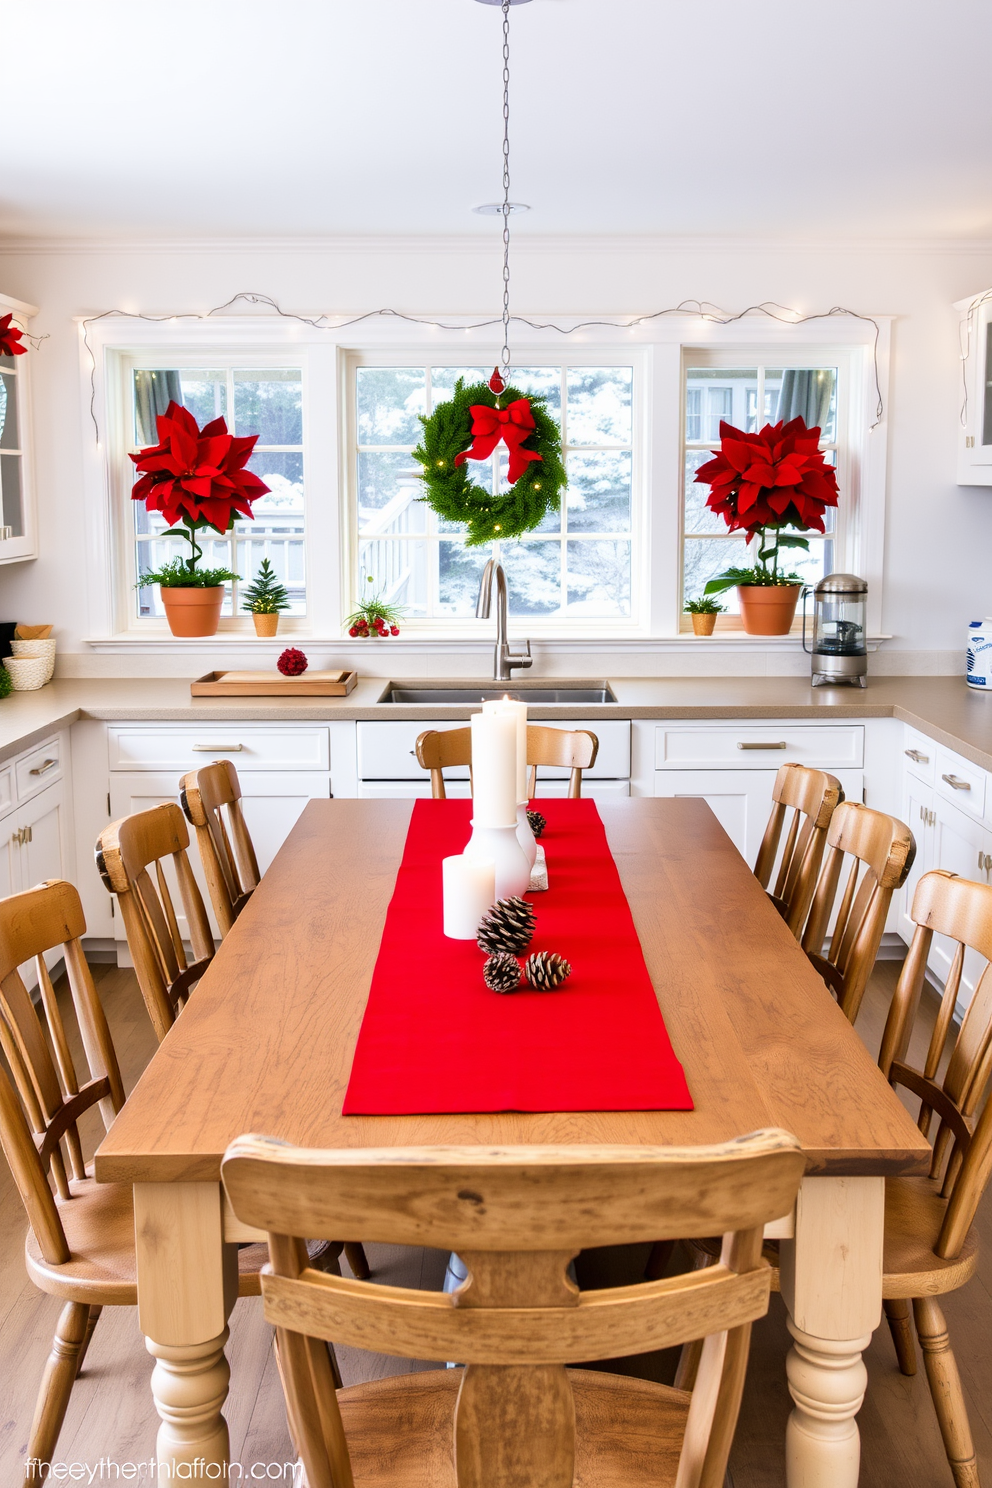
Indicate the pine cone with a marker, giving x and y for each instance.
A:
(509, 926)
(537, 822)
(546, 970)
(501, 972)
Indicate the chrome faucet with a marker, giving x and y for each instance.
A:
(504, 659)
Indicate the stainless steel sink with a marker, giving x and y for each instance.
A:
(593, 692)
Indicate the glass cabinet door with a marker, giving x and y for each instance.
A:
(11, 454)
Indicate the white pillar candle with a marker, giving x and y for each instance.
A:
(518, 711)
(494, 769)
(469, 892)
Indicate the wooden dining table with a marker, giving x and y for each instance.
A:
(266, 1042)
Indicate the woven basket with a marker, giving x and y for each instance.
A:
(39, 650)
(27, 673)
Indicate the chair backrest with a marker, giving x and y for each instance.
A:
(881, 850)
(812, 796)
(517, 1217)
(208, 795)
(568, 749)
(124, 852)
(962, 1144)
(42, 1098)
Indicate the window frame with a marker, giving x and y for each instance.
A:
(453, 354)
(324, 355)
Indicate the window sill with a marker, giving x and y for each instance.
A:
(250, 645)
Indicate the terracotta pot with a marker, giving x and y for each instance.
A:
(193, 612)
(266, 625)
(703, 624)
(768, 609)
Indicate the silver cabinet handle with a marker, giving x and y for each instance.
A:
(914, 754)
(955, 783)
(48, 764)
(781, 745)
(217, 748)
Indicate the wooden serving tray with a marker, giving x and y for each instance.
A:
(273, 684)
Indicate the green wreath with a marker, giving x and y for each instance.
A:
(452, 493)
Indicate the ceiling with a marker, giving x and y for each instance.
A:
(286, 118)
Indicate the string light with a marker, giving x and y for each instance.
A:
(703, 310)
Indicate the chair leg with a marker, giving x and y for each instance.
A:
(355, 1256)
(945, 1387)
(56, 1385)
(897, 1315)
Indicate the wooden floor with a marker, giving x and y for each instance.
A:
(111, 1415)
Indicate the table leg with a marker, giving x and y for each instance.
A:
(187, 1285)
(832, 1286)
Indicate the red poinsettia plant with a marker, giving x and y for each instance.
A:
(761, 484)
(11, 337)
(196, 478)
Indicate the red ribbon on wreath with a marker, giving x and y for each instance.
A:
(512, 425)
(11, 337)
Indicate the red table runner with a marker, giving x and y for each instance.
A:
(435, 1038)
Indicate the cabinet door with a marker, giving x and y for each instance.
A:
(960, 845)
(917, 813)
(42, 853)
(739, 799)
(271, 800)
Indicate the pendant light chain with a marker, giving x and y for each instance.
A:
(505, 354)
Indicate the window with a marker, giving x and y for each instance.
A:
(12, 515)
(267, 402)
(736, 393)
(576, 565)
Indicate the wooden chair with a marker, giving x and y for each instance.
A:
(931, 1246)
(226, 852)
(882, 850)
(567, 749)
(812, 796)
(514, 1415)
(80, 1242)
(124, 852)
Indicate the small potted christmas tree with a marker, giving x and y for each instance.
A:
(264, 599)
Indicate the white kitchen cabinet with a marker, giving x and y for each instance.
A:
(918, 814)
(387, 750)
(34, 838)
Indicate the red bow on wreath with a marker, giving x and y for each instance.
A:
(512, 425)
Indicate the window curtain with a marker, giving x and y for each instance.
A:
(805, 394)
(153, 392)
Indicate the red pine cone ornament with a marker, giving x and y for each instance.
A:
(292, 663)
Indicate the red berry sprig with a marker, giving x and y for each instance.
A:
(292, 662)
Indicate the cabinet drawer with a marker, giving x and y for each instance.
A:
(750, 747)
(919, 754)
(960, 781)
(6, 788)
(32, 772)
(248, 746)
(386, 750)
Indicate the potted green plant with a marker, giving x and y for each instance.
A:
(762, 484)
(703, 612)
(192, 597)
(374, 617)
(196, 478)
(264, 598)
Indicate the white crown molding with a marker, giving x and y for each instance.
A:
(484, 244)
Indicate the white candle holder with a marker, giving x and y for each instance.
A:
(525, 835)
(501, 846)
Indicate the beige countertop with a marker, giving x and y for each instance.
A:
(945, 708)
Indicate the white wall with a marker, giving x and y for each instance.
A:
(938, 535)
